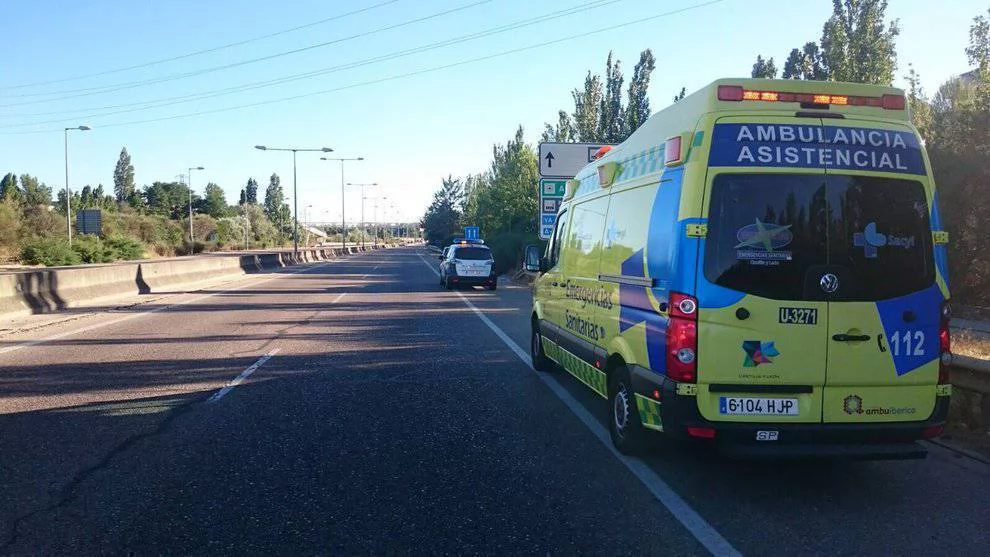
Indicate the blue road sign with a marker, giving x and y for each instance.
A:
(472, 233)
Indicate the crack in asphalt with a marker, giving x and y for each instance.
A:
(67, 493)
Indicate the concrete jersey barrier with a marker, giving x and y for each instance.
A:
(48, 290)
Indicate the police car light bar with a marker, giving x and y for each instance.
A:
(735, 93)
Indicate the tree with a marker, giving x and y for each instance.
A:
(214, 201)
(86, 197)
(74, 202)
(251, 191)
(507, 202)
(243, 198)
(8, 187)
(443, 215)
(918, 103)
(978, 53)
(638, 107)
(34, 193)
(587, 106)
(274, 198)
(169, 199)
(563, 132)
(611, 124)
(958, 146)
(805, 63)
(123, 177)
(857, 44)
(765, 69)
(680, 95)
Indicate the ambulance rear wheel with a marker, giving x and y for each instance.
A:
(624, 424)
(540, 360)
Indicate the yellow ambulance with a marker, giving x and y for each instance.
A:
(761, 265)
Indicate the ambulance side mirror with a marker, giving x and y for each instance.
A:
(533, 262)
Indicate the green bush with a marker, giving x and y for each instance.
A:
(91, 249)
(125, 248)
(49, 252)
(197, 247)
(508, 249)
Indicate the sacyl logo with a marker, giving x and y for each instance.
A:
(869, 239)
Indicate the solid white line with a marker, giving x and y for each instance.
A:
(688, 517)
(240, 378)
(148, 312)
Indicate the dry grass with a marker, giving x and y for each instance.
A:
(972, 342)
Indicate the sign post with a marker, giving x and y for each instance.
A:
(559, 162)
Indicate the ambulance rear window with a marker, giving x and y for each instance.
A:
(765, 233)
(776, 235)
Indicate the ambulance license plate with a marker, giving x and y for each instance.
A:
(747, 406)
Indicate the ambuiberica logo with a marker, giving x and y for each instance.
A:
(853, 404)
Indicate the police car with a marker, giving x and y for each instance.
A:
(467, 263)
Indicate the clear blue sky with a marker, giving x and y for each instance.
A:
(412, 130)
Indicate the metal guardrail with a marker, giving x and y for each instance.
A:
(970, 374)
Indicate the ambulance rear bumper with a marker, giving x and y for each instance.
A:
(807, 440)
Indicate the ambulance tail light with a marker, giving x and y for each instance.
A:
(944, 345)
(682, 338)
(730, 93)
(893, 102)
(735, 93)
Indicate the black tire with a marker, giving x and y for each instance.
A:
(540, 360)
(446, 283)
(624, 424)
(493, 286)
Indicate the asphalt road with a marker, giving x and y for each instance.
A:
(355, 407)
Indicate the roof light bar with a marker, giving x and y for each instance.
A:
(735, 93)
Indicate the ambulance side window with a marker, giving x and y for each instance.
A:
(558, 239)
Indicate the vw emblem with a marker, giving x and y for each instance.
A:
(829, 283)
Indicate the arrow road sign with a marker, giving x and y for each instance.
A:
(564, 160)
(558, 163)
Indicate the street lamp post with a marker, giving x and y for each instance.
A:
(192, 242)
(295, 193)
(343, 217)
(68, 205)
(364, 227)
